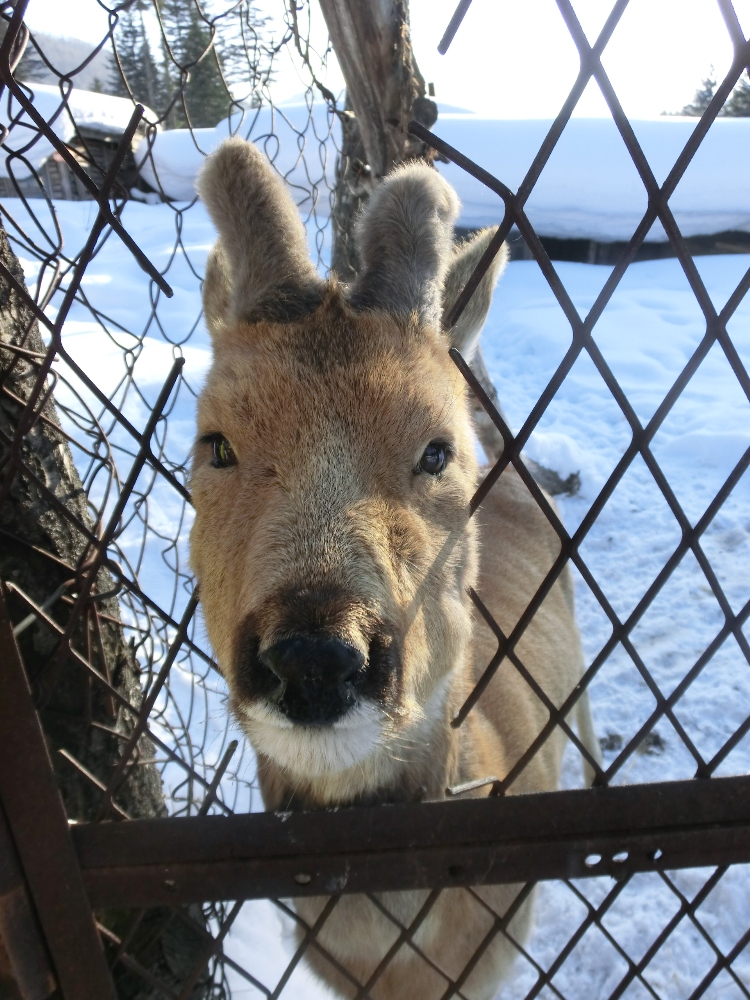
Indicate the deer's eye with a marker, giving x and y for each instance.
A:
(223, 454)
(434, 459)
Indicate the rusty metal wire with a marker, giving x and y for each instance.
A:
(127, 435)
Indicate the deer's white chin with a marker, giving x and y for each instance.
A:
(314, 751)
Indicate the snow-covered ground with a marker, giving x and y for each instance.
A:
(646, 334)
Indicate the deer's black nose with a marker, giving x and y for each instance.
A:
(304, 659)
(318, 677)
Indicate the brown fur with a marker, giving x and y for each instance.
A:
(323, 526)
(465, 256)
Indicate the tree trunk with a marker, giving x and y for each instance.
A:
(40, 549)
(353, 186)
(384, 91)
(372, 43)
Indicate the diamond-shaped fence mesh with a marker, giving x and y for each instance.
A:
(104, 350)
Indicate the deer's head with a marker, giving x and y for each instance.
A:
(333, 472)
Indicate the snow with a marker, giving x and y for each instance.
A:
(589, 189)
(98, 112)
(646, 334)
(174, 160)
(297, 141)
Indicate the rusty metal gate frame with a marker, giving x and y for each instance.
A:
(53, 876)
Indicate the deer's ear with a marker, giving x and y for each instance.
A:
(263, 257)
(465, 334)
(216, 292)
(405, 238)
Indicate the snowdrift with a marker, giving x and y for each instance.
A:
(590, 188)
(301, 144)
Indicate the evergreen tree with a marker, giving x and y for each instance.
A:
(703, 97)
(140, 75)
(738, 104)
(202, 96)
(246, 57)
(208, 57)
(32, 66)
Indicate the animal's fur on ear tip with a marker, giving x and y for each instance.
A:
(411, 193)
(405, 239)
(262, 236)
(474, 246)
(233, 167)
(464, 335)
(232, 151)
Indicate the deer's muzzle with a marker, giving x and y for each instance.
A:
(316, 678)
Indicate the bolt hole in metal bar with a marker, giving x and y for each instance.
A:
(613, 831)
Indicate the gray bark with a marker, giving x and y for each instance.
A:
(373, 46)
(39, 552)
(353, 186)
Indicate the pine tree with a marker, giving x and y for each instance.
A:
(703, 97)
(738, 104)
(194, 69)
(139, 76)
(208, 57)
(32, 66)
(245, 55)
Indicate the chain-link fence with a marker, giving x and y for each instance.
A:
(103, 358)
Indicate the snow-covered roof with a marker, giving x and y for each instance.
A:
(589, 189)
(95, 112)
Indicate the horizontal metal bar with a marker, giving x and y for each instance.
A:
(520, 838)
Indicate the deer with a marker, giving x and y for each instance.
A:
(334, 549)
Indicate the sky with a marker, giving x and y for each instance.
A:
(515, 60)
